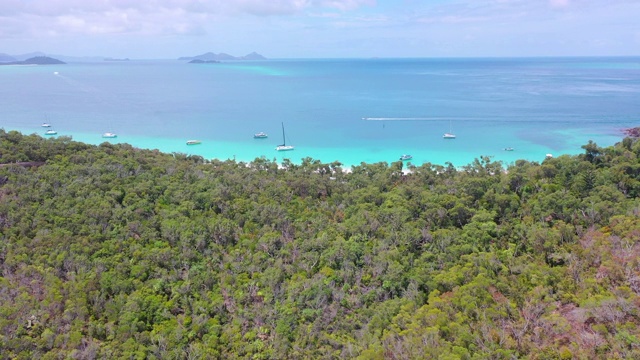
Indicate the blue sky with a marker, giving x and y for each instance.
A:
(321, 28)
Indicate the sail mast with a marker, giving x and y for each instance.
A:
(284, 140)
(284, 146)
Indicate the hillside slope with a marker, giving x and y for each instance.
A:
(115, 252)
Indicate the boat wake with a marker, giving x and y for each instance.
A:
(405, 118)
(556, 119)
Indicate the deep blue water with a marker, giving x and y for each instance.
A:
(350, 110)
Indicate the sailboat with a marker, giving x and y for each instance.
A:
(449, 135)
(46, 123)
(284, 146)
(109, 134)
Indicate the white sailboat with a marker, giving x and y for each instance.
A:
(449, 135)
(46, 124)
(109, 134)
(284, 146)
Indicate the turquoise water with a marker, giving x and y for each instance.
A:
(349, 110)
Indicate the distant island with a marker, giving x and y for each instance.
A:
(6, 58)
(36, 60)
(65, 58)
(40, 58)
(209, 56)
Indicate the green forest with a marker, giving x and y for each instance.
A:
(115, 252)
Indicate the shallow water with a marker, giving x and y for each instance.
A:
(349, 110)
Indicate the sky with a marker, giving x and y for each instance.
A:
(151, 29)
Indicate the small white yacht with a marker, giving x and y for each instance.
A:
(109, 135)
(194, 142)
(50, 132)
(260, 135)
(406, 157)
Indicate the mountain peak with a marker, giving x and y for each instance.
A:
(210, 56)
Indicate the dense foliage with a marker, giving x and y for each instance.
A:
(115, 252)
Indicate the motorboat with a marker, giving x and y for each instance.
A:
(109, 135)
(50, 132)
(406, 157)
(194, 142)
(260, 135)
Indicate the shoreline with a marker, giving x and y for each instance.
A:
(261, 150)
(160, 105)
(632, 132)
(250, 150)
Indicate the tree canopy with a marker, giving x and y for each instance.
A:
(111, 251)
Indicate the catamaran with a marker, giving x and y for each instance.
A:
(449, 135)
(46, 124)
(284, 146)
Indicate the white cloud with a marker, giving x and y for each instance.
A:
(346, 5)
(166, 26)
(559, 3)
(257, 7)
(147, 16)
(68, 21)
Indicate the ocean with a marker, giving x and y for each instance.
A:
(346, 110)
